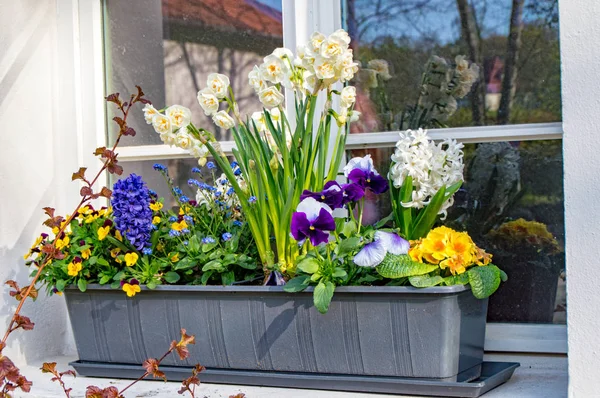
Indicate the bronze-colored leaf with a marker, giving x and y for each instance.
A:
(100, 151)
(107, 193)
(119, 121)
(114, 98)
(48, 367)
(23, 322)
(79, 174)
(151, 366)
(129, 131)
(240, 395)
(86, 191)
(181, 346)
(24, 384)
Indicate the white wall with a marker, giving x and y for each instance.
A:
(580, 33)
(38, 150)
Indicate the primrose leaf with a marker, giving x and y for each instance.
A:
(347, 245)
(484, 280)
(400, 266)
(460, 279)
(309, 265)
(322, 296)
(425, 280)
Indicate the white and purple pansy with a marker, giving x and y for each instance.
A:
(362, 172)
(372, 254)
(332, 195)
(312, 220)
(352, 192)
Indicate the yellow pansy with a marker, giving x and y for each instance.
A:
(156, 206)
(118, 235)
(103, 232)
(179, 226)
(131, 290)
(156, 220)
(86, 253)
(62, 243)
(73, 269)
(131, 259)
(175, 258)
(115, 252)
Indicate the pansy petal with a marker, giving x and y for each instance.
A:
(308, 194)
(371, 255)
(352, 192)
(358, 176)
(378, 184)
(393, 243)
(299, 226)
(317, 237)
(311, 207)
(324, 222)
(275, 279)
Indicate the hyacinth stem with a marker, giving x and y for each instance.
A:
(68, 221)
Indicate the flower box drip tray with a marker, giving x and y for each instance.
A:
(493, 374)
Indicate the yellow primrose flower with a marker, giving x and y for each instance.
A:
(156, 220)
(175, 258)
(179, 226)
(85, 254)
(55, 230)
(156, 206)
(455, 264)
(131, 290)
(131, 259)
(103, 232)
(118, 235)
(74, 268)
(62, 243)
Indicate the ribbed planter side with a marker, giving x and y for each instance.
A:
(381, 331)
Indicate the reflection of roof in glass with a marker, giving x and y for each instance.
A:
(227, 15)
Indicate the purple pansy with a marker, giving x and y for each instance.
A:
(332, 195)
(372, 254)
(312, 219)
(352, 192)
(275, 279)
(362, 172)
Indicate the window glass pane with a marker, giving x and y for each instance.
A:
(170, 47)
(512, 205)
(519, 79)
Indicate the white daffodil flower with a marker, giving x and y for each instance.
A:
(162, 124)
(223, 120)
(219, 84)
(270, 97)
(208, 101)
(149, 113)
(180, 116)
(348, 96)
(274, 69)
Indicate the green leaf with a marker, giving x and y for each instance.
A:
(102, 261)
(428, 215)
(92, 260)
(119, 276)
(171, 277)
(484, 280)
(425, 280)
(118, 243)
(405, 213)
(503, 275)
(194, 244)
(105, 279)
(322, 296)
(229, 259)
(316, 276)
(349, 228)
(399, 266)
(227, 278)
(60, 285)
(347, 245)
(460, 279)
(82, 284)
(309, 265)
(151, 285)
(115, 285)
(206, 247)
(297, 284)
(214, 265)
(381, 223)
(206, 276)
(184, 263)
(339, 273)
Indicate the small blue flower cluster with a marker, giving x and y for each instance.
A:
(226, 236)
(208, 239)
(131, 209)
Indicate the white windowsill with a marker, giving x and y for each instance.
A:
(538, 376)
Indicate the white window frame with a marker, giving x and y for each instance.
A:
(300, 19)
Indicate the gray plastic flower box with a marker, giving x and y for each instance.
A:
(432, 334)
